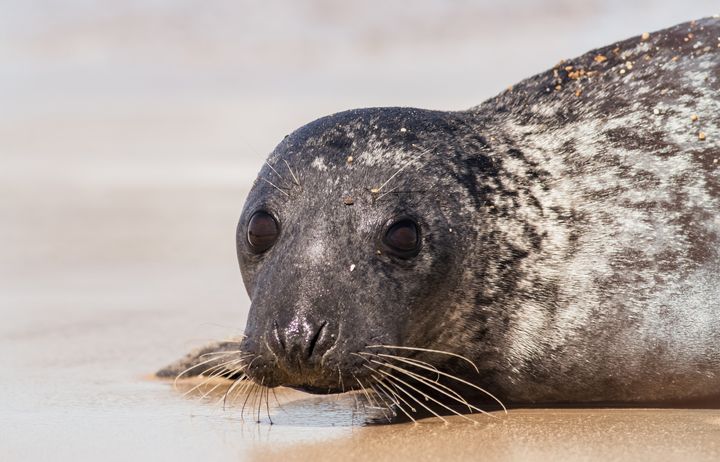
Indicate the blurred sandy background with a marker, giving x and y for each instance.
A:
(130, 132)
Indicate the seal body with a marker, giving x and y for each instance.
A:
(567, 237)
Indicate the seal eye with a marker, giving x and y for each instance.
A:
(403, 238)
(262, 231)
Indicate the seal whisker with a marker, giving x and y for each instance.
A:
(245, 389)
(426, 396)
(267, 404)
(244, 386)
(223, 368)
(378, 390)
(365, 392)
(395, 380)
(407, 164)
(234, 370)
(253, 400)
(431, 382)
(232, 387)
(373, 402)
(397, 398)
(428, 350)
(386, 405)
(452, 395)
(405, 359)
(274, 186)
(295, 179)
(375, 377)
(372, 399)
(199, 385)
(400, 391)
(194, 366)
(274, 171)
(219, 353)
(398, 395)
(260, 400)
(340, 379)
(227, 365)
(378, 189)
(441, 388)
(420, 376)
(242, 379)
(277, 401)
(255, 406)
(207, 393)
(250, 391)
(216, 372)
(241, 390)
(386, 193)
(388, 384)
(470, 384)
(361, 389)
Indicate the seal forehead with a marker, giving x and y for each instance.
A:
(379, 154)
(352, 174)
(319, 164)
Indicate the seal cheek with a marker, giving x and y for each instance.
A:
(315, 252)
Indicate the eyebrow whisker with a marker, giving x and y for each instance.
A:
(274, 186)
(295, 179)
(273, 169)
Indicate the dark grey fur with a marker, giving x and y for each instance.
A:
(570, 234)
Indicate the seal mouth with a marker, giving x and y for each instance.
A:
(317, 379)
(314, 390)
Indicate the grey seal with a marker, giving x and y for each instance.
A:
(557, 244)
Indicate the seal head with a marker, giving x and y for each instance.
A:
(362, 250)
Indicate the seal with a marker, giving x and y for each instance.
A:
(557, 244)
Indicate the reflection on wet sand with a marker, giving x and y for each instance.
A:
(541, 434)
(342, 432)
(279, 407)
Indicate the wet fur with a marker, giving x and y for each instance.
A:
(570, 233)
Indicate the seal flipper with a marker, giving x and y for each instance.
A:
(207, 357)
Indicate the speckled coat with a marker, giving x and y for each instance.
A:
(570, 230)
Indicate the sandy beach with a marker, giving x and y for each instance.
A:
(130, 133)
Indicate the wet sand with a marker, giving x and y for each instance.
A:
(129, 136)
(607, 435)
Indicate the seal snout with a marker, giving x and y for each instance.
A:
(304, 353)
(301, 344)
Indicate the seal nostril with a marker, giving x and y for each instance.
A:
(314, 340)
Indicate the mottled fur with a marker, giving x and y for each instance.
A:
(570, 233)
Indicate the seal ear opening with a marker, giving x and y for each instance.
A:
(201, 360)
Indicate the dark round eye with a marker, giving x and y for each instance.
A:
(403, 238)
(262, 231)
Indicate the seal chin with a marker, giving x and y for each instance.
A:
(319, 381)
